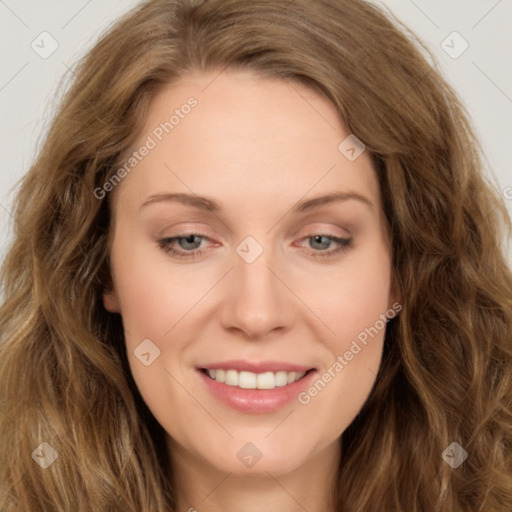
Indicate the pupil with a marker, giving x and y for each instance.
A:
(318, 239)
(187, 242)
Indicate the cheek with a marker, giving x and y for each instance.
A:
(352, 301)
(155, 296)
(351, 297)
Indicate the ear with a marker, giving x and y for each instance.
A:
(111, 301)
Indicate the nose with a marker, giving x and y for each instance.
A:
(256, 299)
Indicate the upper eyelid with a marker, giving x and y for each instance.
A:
(309, 234)
(320, 217)
(315, 230)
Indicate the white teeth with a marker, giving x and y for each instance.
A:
(250, 380)
(247, 380)
(267, 380)
(231, 378)
(281, 378)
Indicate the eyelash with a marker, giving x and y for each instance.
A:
(165, 244)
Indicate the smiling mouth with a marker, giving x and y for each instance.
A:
(250, 380)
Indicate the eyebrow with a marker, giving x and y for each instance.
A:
(210, 205)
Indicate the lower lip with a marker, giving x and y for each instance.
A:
(257, 400)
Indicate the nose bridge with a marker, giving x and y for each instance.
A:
(256, 301)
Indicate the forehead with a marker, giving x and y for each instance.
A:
(246, 138)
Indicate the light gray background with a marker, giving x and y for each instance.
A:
(482, 74)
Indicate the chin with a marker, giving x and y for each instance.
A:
(258, 458)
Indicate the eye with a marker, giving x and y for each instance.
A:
(189, 245)
(321, 242)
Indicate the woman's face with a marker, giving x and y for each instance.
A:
(225, 257)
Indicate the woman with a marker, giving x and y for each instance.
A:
(257, 266)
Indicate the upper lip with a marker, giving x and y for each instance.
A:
(256, 367)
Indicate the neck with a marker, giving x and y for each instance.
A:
(199, 486)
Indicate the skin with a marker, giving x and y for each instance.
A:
(256, 146)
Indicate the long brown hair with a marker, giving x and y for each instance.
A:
(446, 375)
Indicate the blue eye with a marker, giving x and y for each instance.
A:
(190, 240)
(187, 246)
(186, 251)
(326, 240)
